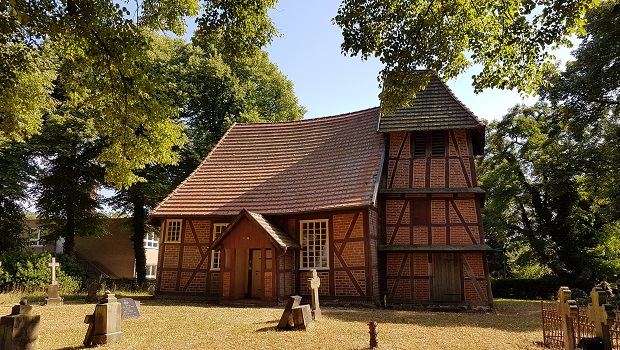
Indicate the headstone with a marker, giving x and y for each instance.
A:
(567, 309)
(302, 317)
(602, 315)
(92, 291)
(129, 308)
(20, 329)
(286, 321)
(53, 297)
(313, 284)
(374, 342)
(104, 326)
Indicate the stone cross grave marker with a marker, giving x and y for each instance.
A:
(567, 309)
(602, 315)
(53, 297)
(53, 265)
(313, 284)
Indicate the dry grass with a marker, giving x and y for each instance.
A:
(182, 325)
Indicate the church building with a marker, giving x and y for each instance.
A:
(385, 208)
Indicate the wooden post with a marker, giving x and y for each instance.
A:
(602, 315)
(374, 342)
(567, 309)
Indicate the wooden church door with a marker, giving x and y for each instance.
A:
(447, 277)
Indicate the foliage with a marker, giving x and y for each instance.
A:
(543, 191)
(212, 90)
(244, 26)
(99, 47)
(68, 178)
(509, 39)
(16, 173)
(551, 169)
(29, 272)
(544, 288)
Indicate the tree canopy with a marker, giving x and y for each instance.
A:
(96, 51)
(551, 170)
(509, 39)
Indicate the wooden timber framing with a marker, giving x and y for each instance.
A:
(352, 273)
(432, 240)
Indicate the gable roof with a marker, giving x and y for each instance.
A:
(435, 108)
(274, 233)
(286, 167)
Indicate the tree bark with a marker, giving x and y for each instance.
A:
(139, 218)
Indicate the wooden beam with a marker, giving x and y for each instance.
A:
(435, 248)
(475, 190)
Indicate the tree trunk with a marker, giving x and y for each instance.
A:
(139, 218)
(69, 245)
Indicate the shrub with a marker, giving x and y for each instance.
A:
(29, 272)
(533, 289)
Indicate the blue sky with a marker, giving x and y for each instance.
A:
(329, 83)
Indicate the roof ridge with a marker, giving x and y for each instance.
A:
(342, 115)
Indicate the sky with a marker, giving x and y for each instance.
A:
(328, 83)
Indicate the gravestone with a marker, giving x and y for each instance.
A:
(53, 297)
(129, 308)
(20, 329)
(602, 315)
(313, 284)
(286, 321)
(92, 291)
(302, 317)
(567, 309)
(104, 326)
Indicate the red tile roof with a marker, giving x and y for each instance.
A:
(287, 167)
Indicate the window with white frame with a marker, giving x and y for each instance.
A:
(151, 240)
(215, 255)
(173, 230)
(151, 271)
(314, 244)
(34, 237)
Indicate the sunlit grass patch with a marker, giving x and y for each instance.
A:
(169, 324)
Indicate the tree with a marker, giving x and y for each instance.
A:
(101, 46)
(212, 90)
(509, 39)
(68, 178)
(544, 194)
(17, 172)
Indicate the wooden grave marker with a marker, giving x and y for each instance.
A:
(602, 315)
(567, 309)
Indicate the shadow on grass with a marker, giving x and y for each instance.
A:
(512, 316)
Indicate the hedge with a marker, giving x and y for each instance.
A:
(534, 289)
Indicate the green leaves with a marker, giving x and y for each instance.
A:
(244, 25)
(509, 39)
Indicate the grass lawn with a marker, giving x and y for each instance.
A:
(166, 324)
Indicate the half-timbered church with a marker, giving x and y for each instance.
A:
(385, 208)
